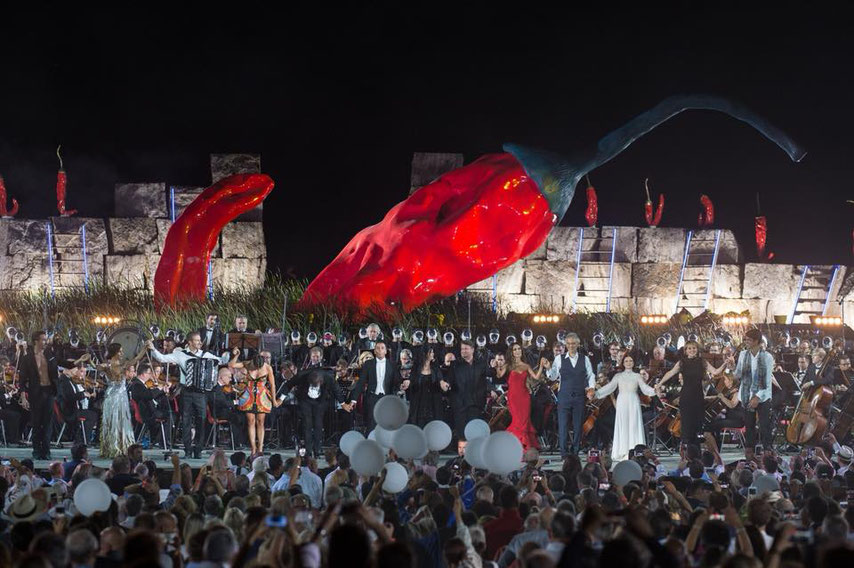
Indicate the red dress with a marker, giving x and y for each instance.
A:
(519, 404)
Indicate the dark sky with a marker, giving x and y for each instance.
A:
(336, 103)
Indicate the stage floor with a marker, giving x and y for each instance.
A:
(553, 460)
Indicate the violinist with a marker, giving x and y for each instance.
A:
(74, 402)
(732, 413)
(222, 404)
(152, 401)
(9, 414)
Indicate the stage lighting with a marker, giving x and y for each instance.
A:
(654, 319)
(546, 318)
(735, 319)
(826, 321)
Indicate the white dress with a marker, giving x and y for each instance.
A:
(628, 426)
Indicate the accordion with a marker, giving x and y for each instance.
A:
(202, 373)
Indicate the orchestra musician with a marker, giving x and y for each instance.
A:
(193, 401)
(732, 413)
(152, 401)
(315, 387)
(801, 373)
(369, 342)
(498, 371)
(39, 375)
(603, 428)
(73, 399)
(212, 336)
(577, 385)
(222, 401)
(11, 413)
(378, 377)
(814, 370)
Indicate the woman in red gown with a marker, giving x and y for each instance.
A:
(519, 396)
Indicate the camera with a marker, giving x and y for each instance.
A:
(758, 450)
(716, 517)
(593, 456)
(301, 452)
(277, 521)
(537, 476)
(751, 491)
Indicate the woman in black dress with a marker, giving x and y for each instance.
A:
(692, 369)
(425, 397)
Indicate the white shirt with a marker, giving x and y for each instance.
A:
(380, 376)
(181, 356)
(83, 402)
(554, 372)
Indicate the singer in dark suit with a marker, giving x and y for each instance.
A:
(39, 378)
(378, 377)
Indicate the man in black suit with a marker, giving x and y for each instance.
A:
(39, 377)
(221, 401)
(315, 389)
(377, 378)
(467, 386)
(153, 403)
(212, 336)
(74, 403)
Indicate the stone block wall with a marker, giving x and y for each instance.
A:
(124, 250)
(646, 276)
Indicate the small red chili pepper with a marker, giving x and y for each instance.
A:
(183, 268)
(761, 226)
(707, 217)
(592, 213)
(61, 182)
(652, 220)
(482, 217)
(4, 212)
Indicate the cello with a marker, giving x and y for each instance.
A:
(809, 422)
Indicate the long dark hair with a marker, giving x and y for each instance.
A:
(113, 350)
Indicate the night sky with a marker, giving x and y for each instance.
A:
(336, 103)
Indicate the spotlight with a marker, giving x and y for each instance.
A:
(827, 321)
(654, 319)
(735, 319)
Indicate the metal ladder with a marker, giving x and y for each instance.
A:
(812, 296)
(67, 258)
(698, 269)
(592, 291)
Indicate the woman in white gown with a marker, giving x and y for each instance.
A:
(628, 427)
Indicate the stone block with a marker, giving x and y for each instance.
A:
(770, 281)
(704, 242)
(224, 165)
(654, 305)
(27, 272)
(508, 281)
(661, 245)
(243, 240)
(163, 226)
(183, 197)
(134, 271)
(562, 244)
(593, 280)
(239, 273)
(518, 303)
(656, 280)
(141, 200)
(599, 239)
(134, 236)
(68, 230)
(26, 236)
(549, 277)
(428, 166)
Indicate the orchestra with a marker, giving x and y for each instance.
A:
(787, 394)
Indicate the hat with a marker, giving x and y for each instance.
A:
(845, 454)
(25, 508)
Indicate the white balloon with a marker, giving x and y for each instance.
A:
(368, 458)
(474, 452)
(391, 412)
(626, 471)
(476, 428)
(502, 453)
(438, 435)
(349, 440)
(384, 437)
(409, 442)
(91, 496)
(396, 478)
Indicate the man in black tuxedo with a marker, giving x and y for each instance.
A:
(315, 390)
(213, 339)
(39, 378)
(74, 403)
(222, 406)
(378, 377)
(153, 403)
(467, 386)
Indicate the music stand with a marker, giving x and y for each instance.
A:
(242, 340)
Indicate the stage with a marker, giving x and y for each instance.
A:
(553, 461)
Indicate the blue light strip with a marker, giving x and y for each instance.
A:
(830, 289)
(85, 261)
(682, 272)
(712, 270)
(494, 293)
(798, 295)
(210, 280)
(611, 273)
(577, 268)
(172, 202)
(50, 259)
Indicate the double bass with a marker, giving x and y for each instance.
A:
(809, 422)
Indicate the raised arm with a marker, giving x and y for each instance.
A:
(554, 371)
(670, 374)
(644, 388)
(609, 388)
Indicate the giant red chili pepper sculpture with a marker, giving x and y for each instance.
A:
(592, 213)
(183, 269)
(482, 217)
(652, 220)
(707, 215)
(3, 211)
(61, 182)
